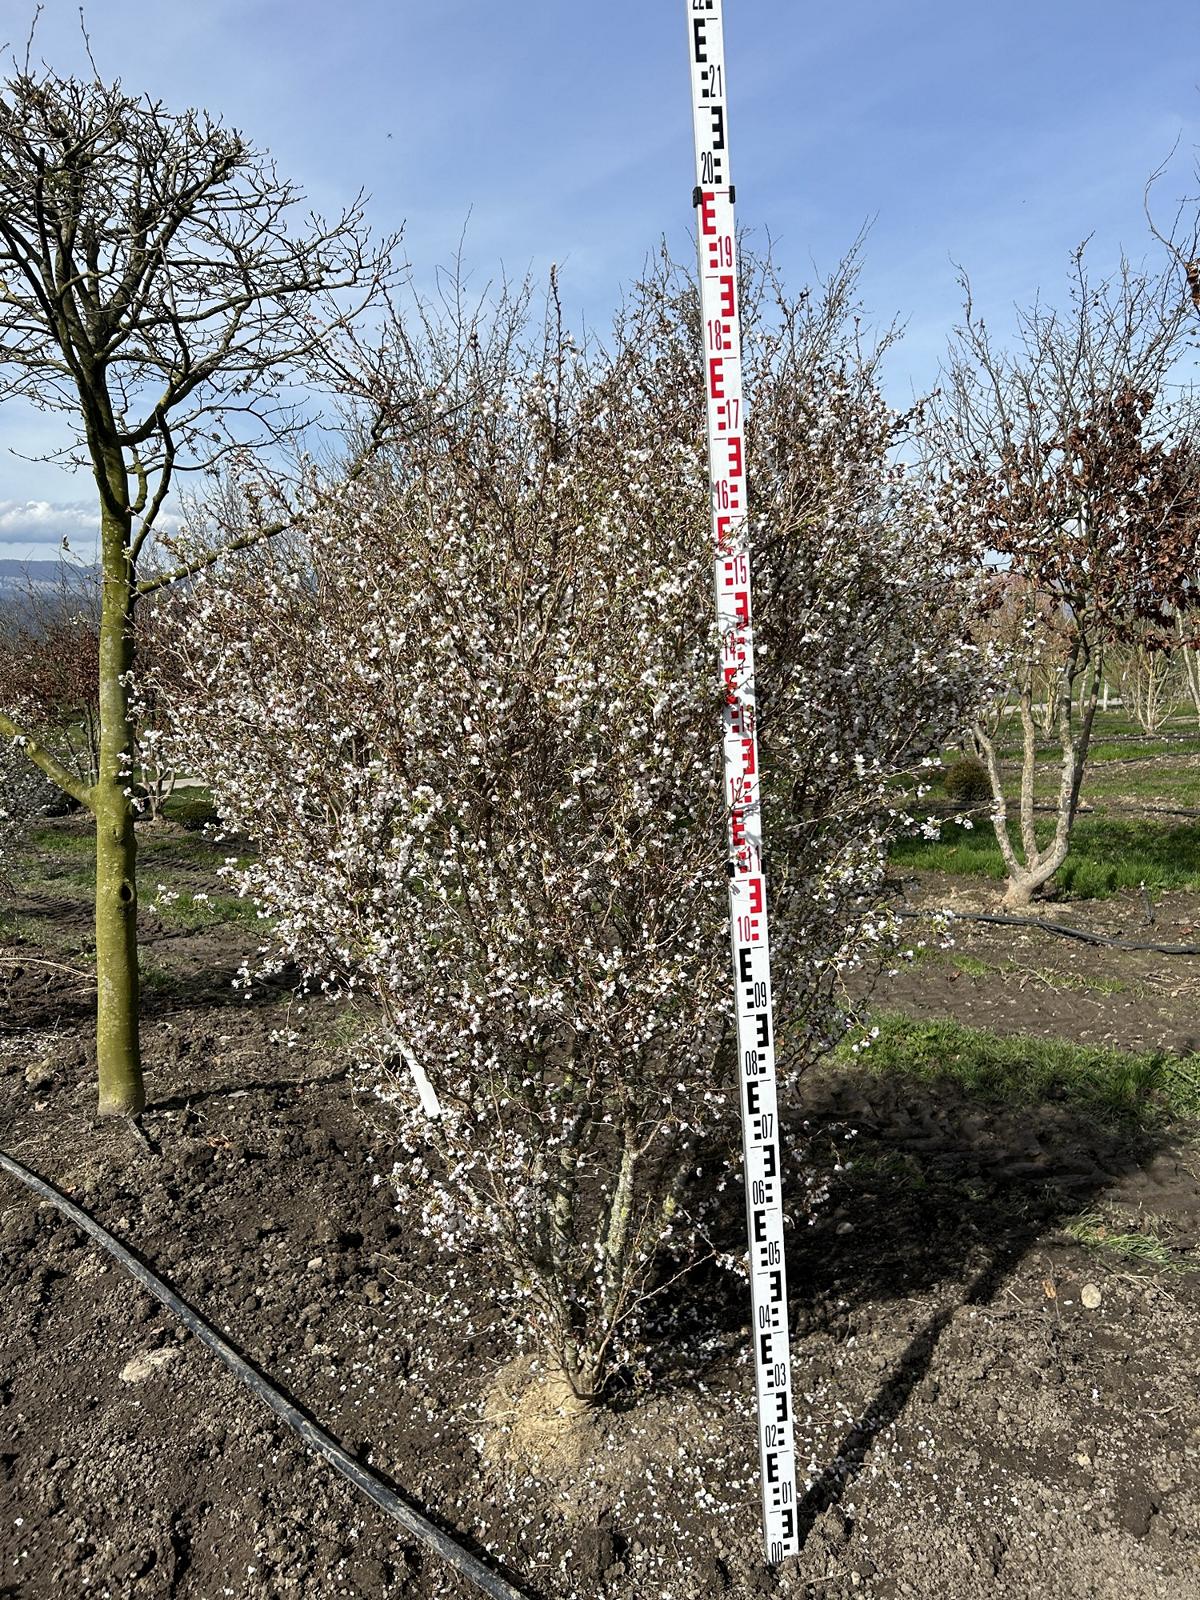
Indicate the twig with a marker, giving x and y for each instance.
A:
(57, 966)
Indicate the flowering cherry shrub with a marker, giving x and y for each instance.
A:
(24, 795)
(471, 718)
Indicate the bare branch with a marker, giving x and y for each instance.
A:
(45, 762)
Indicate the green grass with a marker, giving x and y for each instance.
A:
(1097, 1231)
(71, 845)
(930, 955)
(970, 850)
(1107, 854)
(1115, 739)
(1117, 1088)
(185, 908)
(67, 874)
(1105, 752)
(1073, 980)
(180, 799)
(155, 978)
(46, 936)
(192, 809)
(1111, 725)
(62, 842)
(895, 1167)
(58, 860)
(188, 849)
(1162, 783)
(72, 876)
(349, 1028)
(971, 965)
(1139, 749)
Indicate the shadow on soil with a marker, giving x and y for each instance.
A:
(208, 987)
(37, 994)
(926, 1187)
(192, 1097)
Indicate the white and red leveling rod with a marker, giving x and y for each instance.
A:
(713, 201)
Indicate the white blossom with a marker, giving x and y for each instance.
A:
(472, 721)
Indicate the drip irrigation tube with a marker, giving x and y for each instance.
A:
(314, 1436)
(1060, 928)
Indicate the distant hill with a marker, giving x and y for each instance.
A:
(21, 580)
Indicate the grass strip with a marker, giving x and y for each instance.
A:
(1121, 1089)
(1107, 854)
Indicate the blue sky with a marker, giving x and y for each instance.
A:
(996, 137)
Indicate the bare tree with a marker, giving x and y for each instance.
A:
(1189, 657)
(1021, 625)
(1181, 237)
(161, 287)
(1150, 679)
(1069, 461)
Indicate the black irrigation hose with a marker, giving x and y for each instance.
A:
(1059, 927)
(315, 1437)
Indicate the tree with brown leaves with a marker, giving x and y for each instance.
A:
(1069, 460)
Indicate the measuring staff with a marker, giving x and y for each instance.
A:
(713, 201)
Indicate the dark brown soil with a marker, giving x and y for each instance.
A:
(1040, 982)
(966, 1426)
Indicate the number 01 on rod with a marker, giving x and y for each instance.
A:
(713, 201)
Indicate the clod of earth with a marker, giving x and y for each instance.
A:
(149, 1363)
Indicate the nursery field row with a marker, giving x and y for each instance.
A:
(1019, 1132)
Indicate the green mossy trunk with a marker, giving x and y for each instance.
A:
(118, 1050)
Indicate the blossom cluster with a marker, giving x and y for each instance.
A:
(471, 718)
(24, 795)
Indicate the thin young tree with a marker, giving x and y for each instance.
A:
(163, 289)
(1072, 460)
(1151, 679)
(1188, 655)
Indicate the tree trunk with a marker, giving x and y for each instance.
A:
(1189, 655)
(585, 1359)
(1082, 743)
(1018, 894)
(118, 1051)
(1024, 882)
(1032, 868)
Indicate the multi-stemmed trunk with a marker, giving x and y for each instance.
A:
(1031, 866)
(585, 1354)
(1150, 682)
(641, 1202)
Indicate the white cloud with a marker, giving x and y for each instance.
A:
(45, 522)
(31, 530)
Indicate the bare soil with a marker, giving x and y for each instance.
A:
(1043, 983)
(966, 1425)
